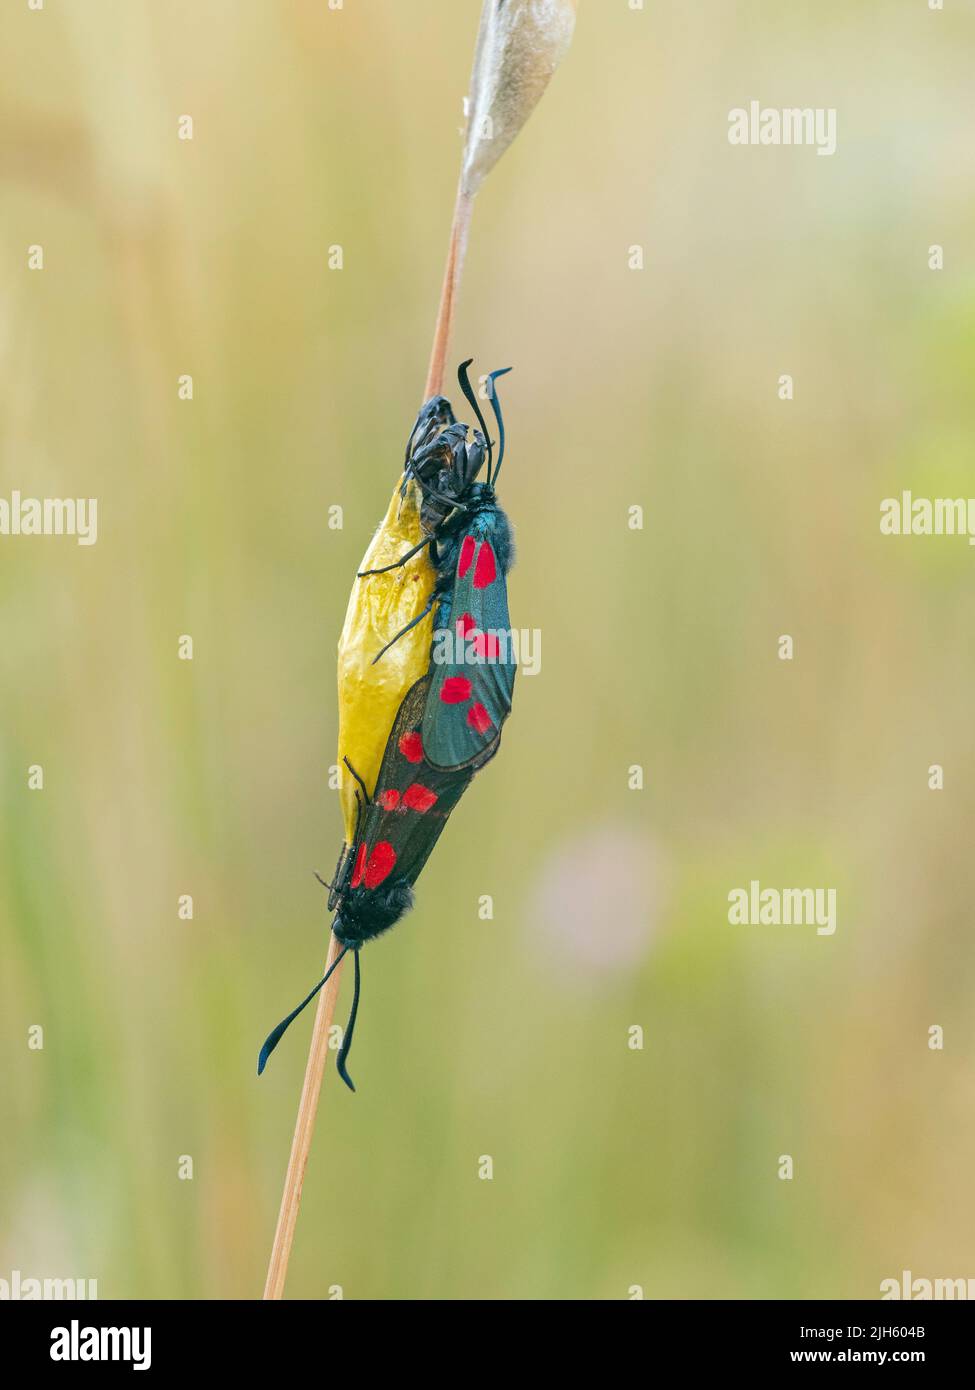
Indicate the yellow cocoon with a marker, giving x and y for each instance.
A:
(379, 607)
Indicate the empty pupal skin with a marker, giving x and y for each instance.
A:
(371, 693)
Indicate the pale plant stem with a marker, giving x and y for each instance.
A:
(294, 1180)
(531, 52)
(459, 228)
(318, 1053)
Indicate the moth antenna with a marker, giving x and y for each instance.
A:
(496, 407)
(350, 1029)
(468, 390)
(276, 1034)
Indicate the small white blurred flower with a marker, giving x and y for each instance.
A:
(597, 903)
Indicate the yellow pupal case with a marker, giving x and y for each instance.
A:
(379, 607)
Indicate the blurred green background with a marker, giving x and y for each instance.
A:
(612, 1167)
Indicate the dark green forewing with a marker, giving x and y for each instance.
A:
(470, 695)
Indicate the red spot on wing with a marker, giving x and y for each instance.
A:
(455, 690)
(418, 797)
(389, 799)
(411, 746)
(360, 865)
(479, 719)
(486, 645)
(466, 556)
(380, 864)
(466, 624)
(485, 571)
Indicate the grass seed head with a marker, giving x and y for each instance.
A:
(519, 46)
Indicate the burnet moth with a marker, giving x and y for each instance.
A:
(449, 723)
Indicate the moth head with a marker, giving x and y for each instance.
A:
(468, 460)
(444, 467)
(366, 913)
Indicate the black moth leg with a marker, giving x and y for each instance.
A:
(402, 633)
(397, 564)
(428, 492)
(361, 784)
(447, 497)
(334, 886)
(450, 499)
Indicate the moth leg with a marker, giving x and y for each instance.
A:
(359, 780)
(343, 867)
(444, 497)
(403, 631)
(362, 574)
(450, 499)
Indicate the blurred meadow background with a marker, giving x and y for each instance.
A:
(613, 1167)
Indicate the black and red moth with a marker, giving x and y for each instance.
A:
(449, 723)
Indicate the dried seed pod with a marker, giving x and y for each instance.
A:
(519, 46)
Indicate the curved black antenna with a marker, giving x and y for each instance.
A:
(276, 1034)
(468, 390)
(496, 407)
(349, 1030)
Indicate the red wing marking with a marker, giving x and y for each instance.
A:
(455, 690)
(418, 797)
(466, 625)
(466, 556)
(478, 718)
(360, 865)
(380, 864)
(411, 746)
(485, 571)
(389, 799)
(486, 645)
